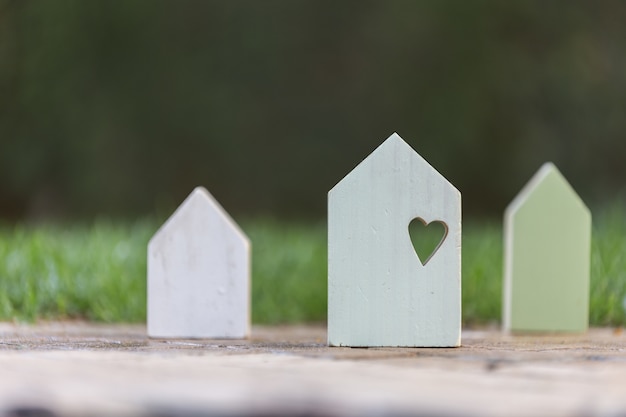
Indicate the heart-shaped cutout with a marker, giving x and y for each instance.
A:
(427, 237)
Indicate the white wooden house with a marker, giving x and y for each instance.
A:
(199, 273)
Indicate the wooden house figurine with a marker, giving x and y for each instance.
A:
(547, 245)
(199, 273)
(380, 292)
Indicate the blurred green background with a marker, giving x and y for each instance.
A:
(121, 107)
(112, 111)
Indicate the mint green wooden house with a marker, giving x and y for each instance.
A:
(547, 245)
(380, 291)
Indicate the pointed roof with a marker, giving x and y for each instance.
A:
(199, 199)
(396, 153)
(556, 187)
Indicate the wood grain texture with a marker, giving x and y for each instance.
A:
(379, 292)
(199, 273)
(547, 236)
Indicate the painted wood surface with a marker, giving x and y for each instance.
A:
(199, 273)
(547, 236)
(380, 293)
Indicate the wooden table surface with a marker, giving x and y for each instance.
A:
(83, 369)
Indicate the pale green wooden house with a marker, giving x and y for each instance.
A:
(547, 245)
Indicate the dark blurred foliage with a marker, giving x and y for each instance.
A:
(121, 107)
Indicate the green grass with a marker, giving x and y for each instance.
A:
(95, 272)
(607, 305)
(482, 273)
(288, 271)
(98, 271)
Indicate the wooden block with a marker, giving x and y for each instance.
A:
(547, 241)
(199, 273)
(380, 292)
